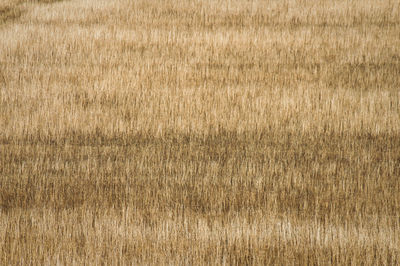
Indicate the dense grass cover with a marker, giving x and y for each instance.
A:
(200, 132)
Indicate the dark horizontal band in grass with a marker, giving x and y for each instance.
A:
(321, 175)
(216, 136)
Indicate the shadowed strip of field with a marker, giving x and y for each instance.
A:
(289, 175)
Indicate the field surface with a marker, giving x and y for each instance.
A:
(199, 132)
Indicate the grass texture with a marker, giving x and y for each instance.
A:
(200, 132)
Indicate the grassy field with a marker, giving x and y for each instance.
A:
(199, 132)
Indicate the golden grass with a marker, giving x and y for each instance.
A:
(200, 132)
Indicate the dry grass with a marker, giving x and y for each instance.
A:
(200, 132)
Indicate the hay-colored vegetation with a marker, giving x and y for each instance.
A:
(200, 132)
